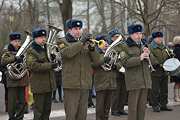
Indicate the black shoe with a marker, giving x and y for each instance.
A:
(55, 101)
(116, 113)
(156, 109)
(166, 109)
(123, 113)
(26, 109)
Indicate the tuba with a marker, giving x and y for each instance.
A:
(17, 70)
(110, 52)
(52, 48)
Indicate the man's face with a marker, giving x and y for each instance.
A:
(136, 36)
(75, 32)
(158, 40)
(15, 43)
(40, 40)
(115, 37)
(105, 47)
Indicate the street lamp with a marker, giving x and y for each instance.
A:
(11, 19)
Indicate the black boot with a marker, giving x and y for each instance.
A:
(26, 109)
(54, 97)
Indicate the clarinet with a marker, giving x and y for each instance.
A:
(150, 64)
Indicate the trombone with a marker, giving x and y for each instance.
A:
(92, 42)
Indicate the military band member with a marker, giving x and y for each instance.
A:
(42, 79)
(118, 96)
(137, 77)
(159, 78)
(16, 87)
(76, 70)
(104, 82)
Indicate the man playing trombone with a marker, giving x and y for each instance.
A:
(138, 79)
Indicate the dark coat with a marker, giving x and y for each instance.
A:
(176, 51)
(42, 77)
(9, 57)
(3, 70)
(58, 77)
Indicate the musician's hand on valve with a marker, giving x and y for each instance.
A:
(144, 55)
(85, 38)
(54, 65)
(19, 58)
(107, 59)
(114, 67)
(146, 50)
(53, 56)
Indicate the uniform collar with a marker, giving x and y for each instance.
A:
(155, 46)
(69, 37)
(37, 47)
(12, 48)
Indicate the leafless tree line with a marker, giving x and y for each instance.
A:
(99, 16)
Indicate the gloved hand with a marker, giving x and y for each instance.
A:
(172, 55)
(86, 38)
(91, 48)
(54, 65)
(107, 59)
(19, 58)
(158, 65)
(114, 67)
(53, 56)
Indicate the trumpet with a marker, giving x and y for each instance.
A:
(150, 64)
(92, 42)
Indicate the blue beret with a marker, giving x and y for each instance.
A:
(157, 34)
(14, 36)
(135, 28)
(102, 37)
(38, 32)
(113, 32)
(74, 23)
(150, 38)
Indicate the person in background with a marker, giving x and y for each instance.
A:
(159, 92)
(77, 71)
(118, 96)
(59, 84)
(90, 102)
(176, 79)
(16, 87)
(4, 71)
(133, 56)
(150, 39)
(42, 77)
(170, 45)
(104, 82)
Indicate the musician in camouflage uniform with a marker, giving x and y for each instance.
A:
(16, 87)
(118, 96)
(76, 70)
(137, 77)
(42, 77)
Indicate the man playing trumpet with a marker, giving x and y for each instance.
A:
(76, 69)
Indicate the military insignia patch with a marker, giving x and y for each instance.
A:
(3, 55)
(43, 32)
(78, 23)
(61, 45)
(30, 58)
(122, 54)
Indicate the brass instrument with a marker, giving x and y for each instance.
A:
(17, 70)
(92, 42)
(149, 61)
(110, 52)
(52, 47)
